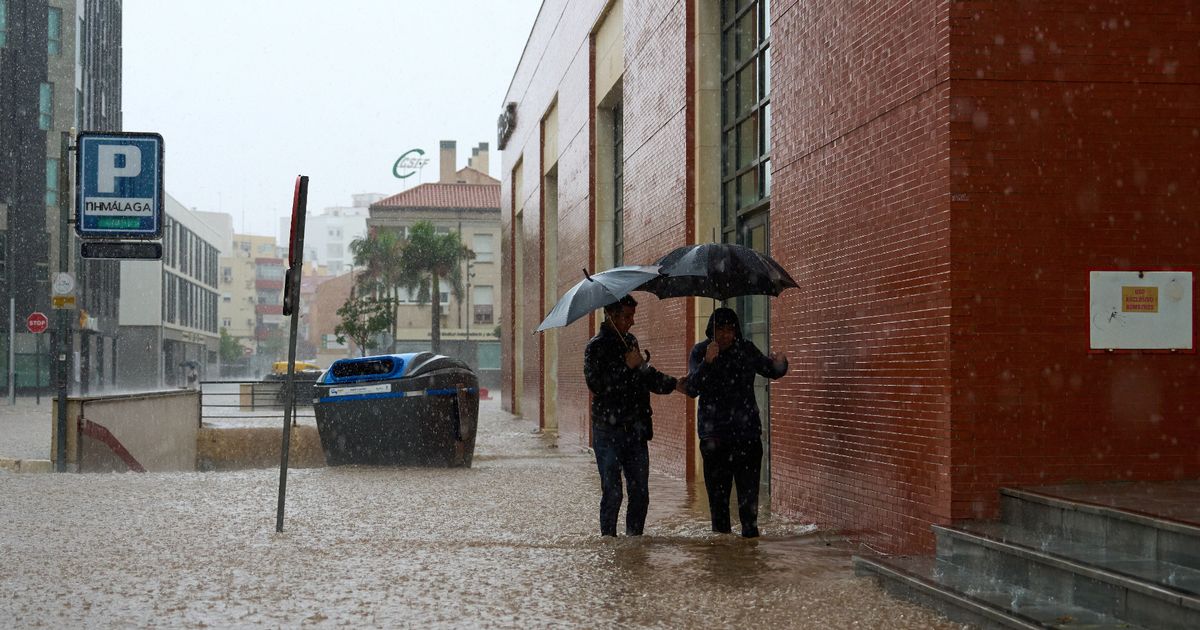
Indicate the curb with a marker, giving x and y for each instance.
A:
(8, 464)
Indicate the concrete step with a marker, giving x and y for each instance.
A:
(984, 562)
(1138, 565)
(1140, 536)
(237, 448)
(939, 585)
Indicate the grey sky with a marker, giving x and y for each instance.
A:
(250, 93)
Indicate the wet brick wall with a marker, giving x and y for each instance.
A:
(861, 214)
(945, 176)
(1076, 138)
(655, 155)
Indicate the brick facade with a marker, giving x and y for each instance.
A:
(945, 175)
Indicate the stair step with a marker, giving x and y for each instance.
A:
(1164, 573)
(984, 559)
(1140, 535)
(998, 604)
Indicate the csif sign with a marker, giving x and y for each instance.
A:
(411, 161)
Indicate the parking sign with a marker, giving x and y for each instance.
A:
(119, 185)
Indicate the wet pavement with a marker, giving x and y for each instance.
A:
(511, 542)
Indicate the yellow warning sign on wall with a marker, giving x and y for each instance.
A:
(1139, 299)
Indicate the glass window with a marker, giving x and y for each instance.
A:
(46, 106)
(482, 246)
(54, 31)
(745, 113)
(618, 186)
(52, 182)
(483, 295)
(3, 23)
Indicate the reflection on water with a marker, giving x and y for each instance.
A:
(511, 542)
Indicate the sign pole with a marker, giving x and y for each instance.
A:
(291, 308)
(61, 324)
(12, 337)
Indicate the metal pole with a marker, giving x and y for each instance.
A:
(292, 280)
(61, 324)
(12, 326)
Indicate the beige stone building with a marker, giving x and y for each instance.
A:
(465, 201)
(251, 286)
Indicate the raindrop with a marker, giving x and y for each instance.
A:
(979, 119)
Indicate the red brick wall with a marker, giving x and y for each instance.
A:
(860, 213)
(945, 175)
(656, 169)
(1076, 139)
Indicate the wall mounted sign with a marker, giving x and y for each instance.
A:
(1141, 310)
(410, 161)
(505, 124)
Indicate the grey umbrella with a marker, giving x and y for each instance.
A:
(719, 271)
(595, 291)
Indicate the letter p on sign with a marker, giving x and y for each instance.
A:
(107, 170)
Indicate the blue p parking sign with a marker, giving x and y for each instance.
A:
(119, 185)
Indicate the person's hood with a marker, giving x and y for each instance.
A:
(722, 317)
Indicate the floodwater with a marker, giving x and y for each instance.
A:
(511, 542)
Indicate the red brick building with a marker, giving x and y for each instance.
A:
(941, 178)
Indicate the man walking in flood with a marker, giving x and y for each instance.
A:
(621, 381)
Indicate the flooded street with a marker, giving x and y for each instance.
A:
(511, 542)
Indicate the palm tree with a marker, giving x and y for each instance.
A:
(379, 256)
(425, 261)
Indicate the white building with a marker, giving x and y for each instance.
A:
(169, 306)
(327, 236)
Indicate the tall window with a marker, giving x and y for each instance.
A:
(745, 112)
(52, 182)
(483, 247)
(3, 23)
(54, 31)
(482, 304)
(46, 106)
(618, 142)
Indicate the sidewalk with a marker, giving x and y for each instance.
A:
(25, 431)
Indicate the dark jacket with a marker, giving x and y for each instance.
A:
(620, 396)
(726, 386)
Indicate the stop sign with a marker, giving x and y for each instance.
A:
(37, 322)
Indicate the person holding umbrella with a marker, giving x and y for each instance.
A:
(721, 372)
(621, 381)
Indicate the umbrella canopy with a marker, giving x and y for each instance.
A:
(719, 271)
(595, 291)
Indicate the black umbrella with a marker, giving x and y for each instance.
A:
(719, 271)
(595, 291)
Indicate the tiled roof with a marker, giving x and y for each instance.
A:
(445, 196)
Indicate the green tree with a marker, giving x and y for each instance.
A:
(378, 254)
(362, 319)
(230, 350)
(426, 260)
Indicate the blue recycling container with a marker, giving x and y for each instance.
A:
(418, 409)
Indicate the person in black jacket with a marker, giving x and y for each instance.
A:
(721, 372)
(621, 381)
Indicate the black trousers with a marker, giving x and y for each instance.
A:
(728, 462)
(620, 451)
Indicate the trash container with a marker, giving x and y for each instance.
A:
(417, 409)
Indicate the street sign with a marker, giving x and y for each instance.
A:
(139, 250)
(37, 322)
(119, 187)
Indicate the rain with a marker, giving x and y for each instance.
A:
(509, 542)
